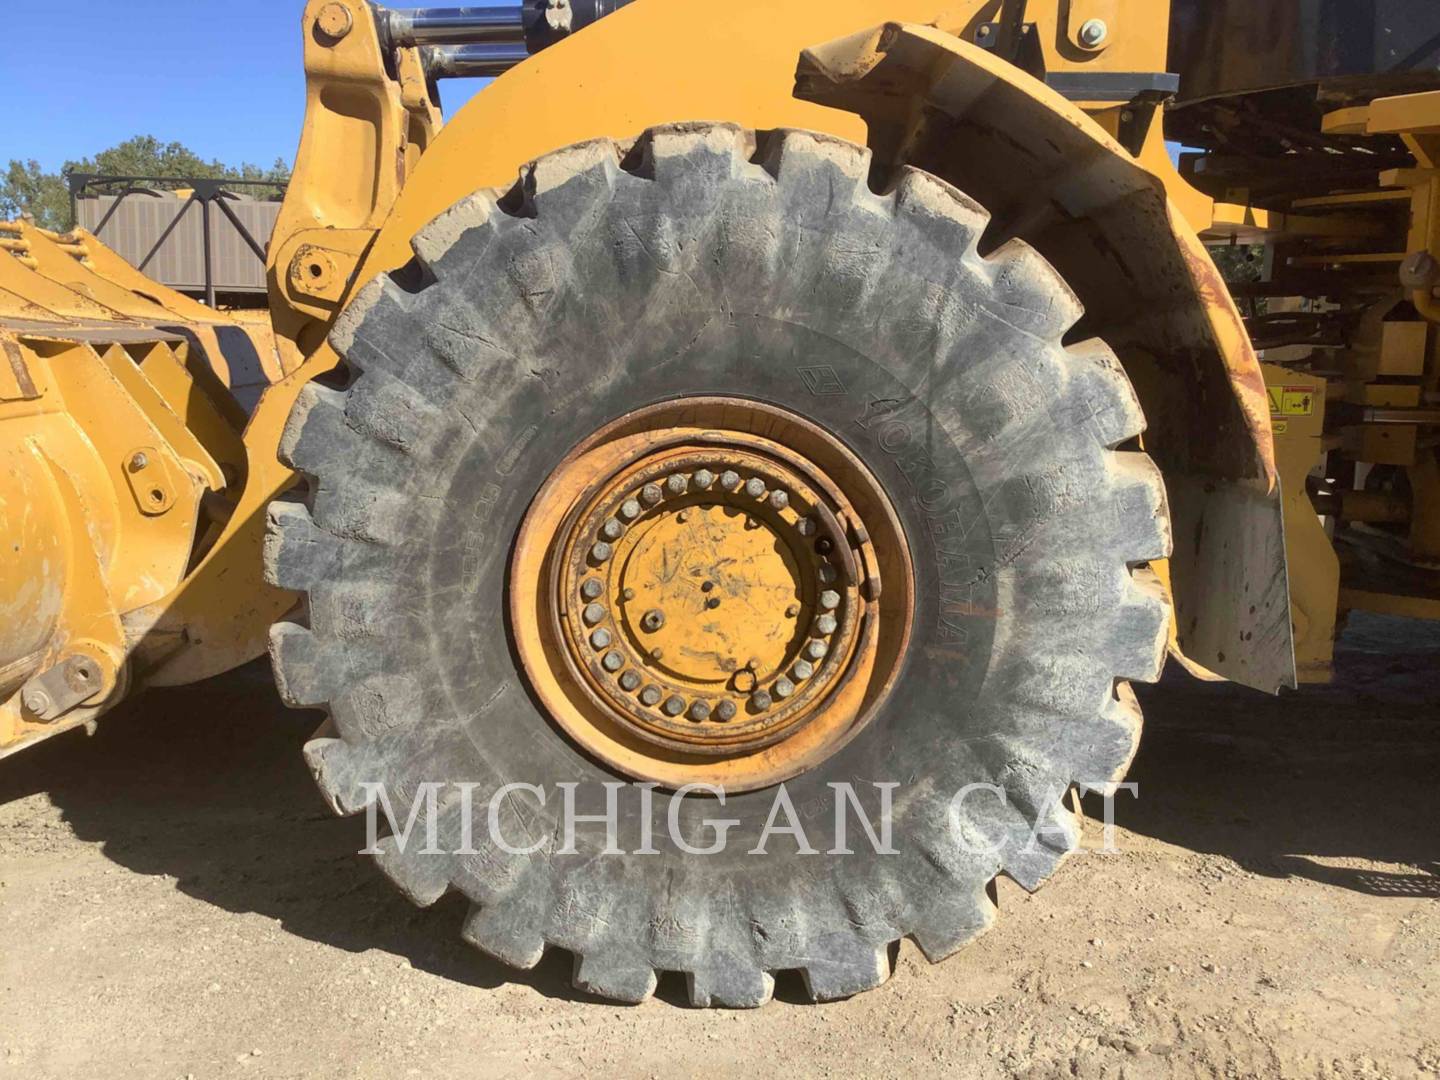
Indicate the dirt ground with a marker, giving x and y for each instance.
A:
(175, 901)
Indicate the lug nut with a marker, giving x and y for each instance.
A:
(650, 696)
(674, 705)
(651, 494)
(729, 480)
(629, 681)
(700, 711)
(725, 711)
(600, 638)
(760, 701)
(826, 625)
(704, 479)
(630, 509)
(591, 589)
(755, 487)
(830, 600)
(805, 526)
(594, 613)
(816, 650)
(783, 688)
(678, 484)
(612, 530)
(601, 552)
(826, 574)
(802, 670)
(779, 500)
(652, 620)
(613, 661)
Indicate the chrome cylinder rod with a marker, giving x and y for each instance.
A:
(455, 26)
(474, 61)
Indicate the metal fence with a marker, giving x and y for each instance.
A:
(203, 241)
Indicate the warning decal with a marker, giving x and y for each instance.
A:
(1291, 400)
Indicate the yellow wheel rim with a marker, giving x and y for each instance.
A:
(711, 591)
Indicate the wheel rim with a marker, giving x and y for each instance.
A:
(711, 591)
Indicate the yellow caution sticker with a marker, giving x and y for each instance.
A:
(1291, 400)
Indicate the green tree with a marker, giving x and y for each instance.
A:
(28, 190)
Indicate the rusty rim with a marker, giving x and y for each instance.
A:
(711, 591)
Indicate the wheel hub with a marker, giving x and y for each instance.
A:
(711, 605)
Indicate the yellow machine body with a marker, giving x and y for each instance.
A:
(135, 491)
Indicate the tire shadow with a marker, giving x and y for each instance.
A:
(1288, 786)
(207, 784)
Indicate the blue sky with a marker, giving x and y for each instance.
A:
(225, 79)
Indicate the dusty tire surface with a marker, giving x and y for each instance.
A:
(707, 260)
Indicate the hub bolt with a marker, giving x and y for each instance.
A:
(594, 613)
(805, 526)
(601, 552)
(700, 711)
(592, 589)
(674, 705)
(779, 500)
(650, 695)
(816, 650)
(826, 625)
(755, 487)
(1094, 33)
(802, 669)
(704, 479)
(600, 638)
(613, 661)
(827, 574)
(783, 688)
(652, 620)
(630, 509)
(729, 480)
(760, 701)
(612, 530)
(678, 484)
(830, 600)
(629, 681)
(725, 711)
(36, 700)
(651, 494)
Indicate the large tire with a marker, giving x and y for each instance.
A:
(704, 260)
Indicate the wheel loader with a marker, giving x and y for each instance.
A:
(733, 406)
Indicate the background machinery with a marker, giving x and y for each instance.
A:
(777, 424)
